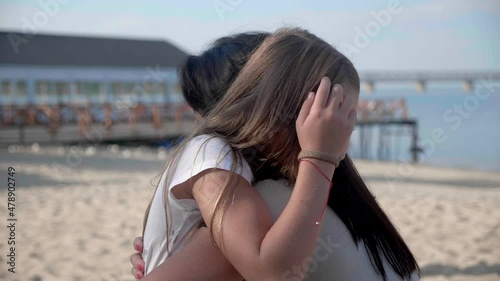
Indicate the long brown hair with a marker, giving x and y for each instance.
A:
(257, 119)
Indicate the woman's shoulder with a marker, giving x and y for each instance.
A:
(276, 184)
(276, 194)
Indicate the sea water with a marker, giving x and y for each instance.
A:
(456, 128)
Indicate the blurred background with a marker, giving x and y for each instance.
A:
(90, 107)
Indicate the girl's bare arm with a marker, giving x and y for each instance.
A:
(258, 249)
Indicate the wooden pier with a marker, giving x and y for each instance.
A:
(95, 133)
(93, 124)
(383, 145)
(104, 123)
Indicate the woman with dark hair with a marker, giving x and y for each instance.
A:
(360, 241)
(206, 78)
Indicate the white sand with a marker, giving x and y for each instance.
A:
(79, 223)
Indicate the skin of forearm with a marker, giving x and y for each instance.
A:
(287, 243)
(294, 236)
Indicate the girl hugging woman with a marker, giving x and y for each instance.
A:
(266, 172)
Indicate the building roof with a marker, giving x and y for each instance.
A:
(56, 50)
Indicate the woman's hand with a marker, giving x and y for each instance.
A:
(136, 259)
(326, 120)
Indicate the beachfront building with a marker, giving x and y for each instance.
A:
(48, 69)
(66, 79)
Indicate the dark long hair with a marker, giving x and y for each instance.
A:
(354, 204)
(204, 81)
(205, 78)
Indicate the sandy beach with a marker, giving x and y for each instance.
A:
(78, 212)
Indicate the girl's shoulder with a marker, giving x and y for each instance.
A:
(207, 141)
(206, 152)
(206, 147)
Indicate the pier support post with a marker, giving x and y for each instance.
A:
(414, 143)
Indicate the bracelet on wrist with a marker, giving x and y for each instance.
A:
(319, 155)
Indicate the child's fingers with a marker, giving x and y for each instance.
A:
(336, 97)
(306, 108)
(322, 94)
(138, 244)
(137, 262)
(137, 275)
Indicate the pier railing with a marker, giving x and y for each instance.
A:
(381, 123)
(75, 122)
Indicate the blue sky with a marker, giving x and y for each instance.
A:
(421, 35)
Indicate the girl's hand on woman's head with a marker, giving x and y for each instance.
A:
(326, 120)
(136, 259)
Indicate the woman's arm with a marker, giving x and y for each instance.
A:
(258, 249)
(199, 260)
